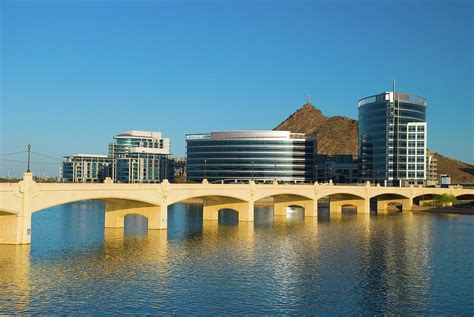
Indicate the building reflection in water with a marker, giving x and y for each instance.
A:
(395, 263)
(344, 264)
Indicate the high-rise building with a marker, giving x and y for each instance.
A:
(141, 157)
(245, 155)
(392, 138)
(85, 168)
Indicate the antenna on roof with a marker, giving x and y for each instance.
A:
(308, 99)
(394, 84)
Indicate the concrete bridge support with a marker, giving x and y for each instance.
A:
(16, 228)
(115, 212)
(281, 204)
(407, 204)
(383, 205)
(362, 205)
(211, 209)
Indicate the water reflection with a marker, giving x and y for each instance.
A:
(14, 278)
(337, 263)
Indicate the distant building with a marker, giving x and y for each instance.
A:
(445, 180)
(141, 157)
(85, 168)
(245, 155)
(180, 166)
(431, 169)
(338, 168)
(392, 138)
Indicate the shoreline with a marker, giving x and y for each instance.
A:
(444, 210)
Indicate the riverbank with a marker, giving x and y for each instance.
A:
(447, 210)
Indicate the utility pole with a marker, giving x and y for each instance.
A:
(29, 150)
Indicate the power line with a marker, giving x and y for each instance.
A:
(18, 161)
(47, 156)
(13, 153)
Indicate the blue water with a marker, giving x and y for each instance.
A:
(400, 264)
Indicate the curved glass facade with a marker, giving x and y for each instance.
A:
(392, 138)
(245, 155)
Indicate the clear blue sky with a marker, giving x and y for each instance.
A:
(75, 73)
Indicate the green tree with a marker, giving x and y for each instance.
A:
(445, 199)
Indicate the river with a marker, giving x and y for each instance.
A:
(401, 263)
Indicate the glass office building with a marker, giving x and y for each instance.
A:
(244, 155)
(141, 157)
(392, 138)
(340, 168)
(85, 168)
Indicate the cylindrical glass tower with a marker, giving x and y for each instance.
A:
(392, 138)
(244, 155)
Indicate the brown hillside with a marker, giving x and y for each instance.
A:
(336, 135)
(339, 135)
(460, 172)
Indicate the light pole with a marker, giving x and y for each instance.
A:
(317, 176)
(205, 169)
(29, 150)
(252, 170)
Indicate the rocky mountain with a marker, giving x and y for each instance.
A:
(460, 172)
(336, 135)
(339, 135)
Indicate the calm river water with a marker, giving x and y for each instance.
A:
(348, 264)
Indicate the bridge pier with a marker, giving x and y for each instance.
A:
(362, 205)
(383, 205)
(115, 212)
(407, 204)
(16, 228)
(211, 209)
(280, 205)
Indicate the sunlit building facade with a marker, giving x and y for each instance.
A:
(245, 155)
(85, 168)
(392, 138)
(141, 157)
(431, 169)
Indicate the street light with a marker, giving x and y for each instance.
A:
(252, 170)
(29, 149)
(205, 169)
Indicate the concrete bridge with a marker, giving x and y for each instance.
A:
(18, 201)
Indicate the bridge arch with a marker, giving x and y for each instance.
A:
(340, 201)
(48, 202)
(390, 195)
(297, 194)
(283, 200)
(391, 201)
(7, 212)
(341, 195)
(349, 208)
(465, 196)
(225, 197)
(228, 216)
